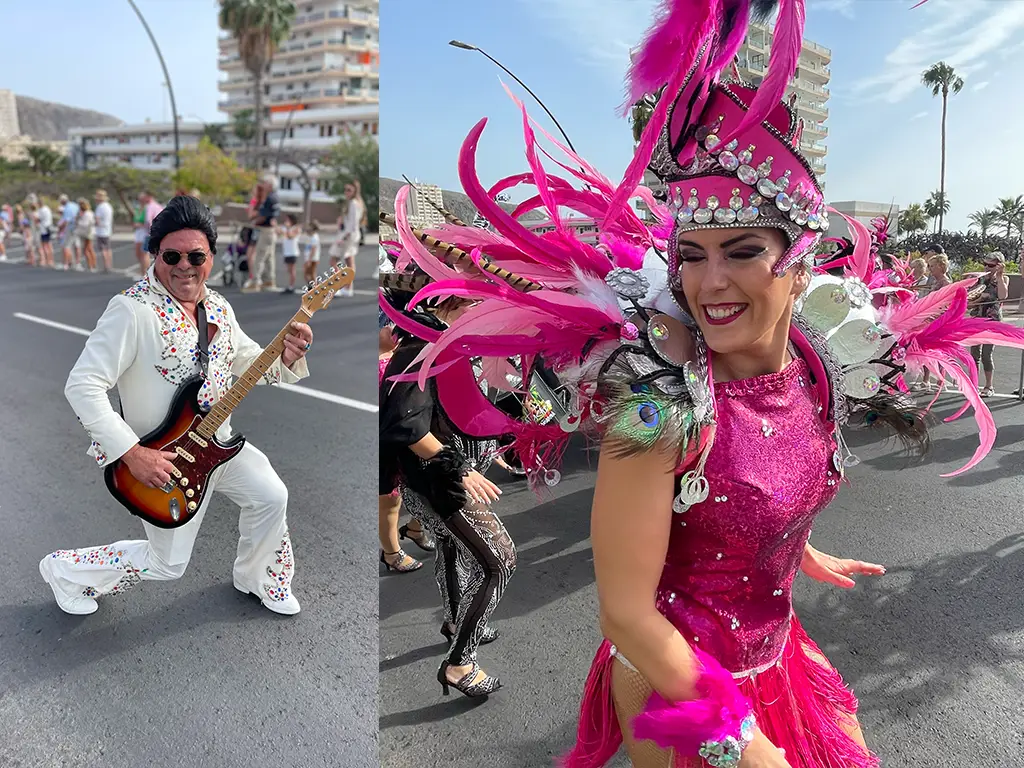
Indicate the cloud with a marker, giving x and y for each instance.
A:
(979, 86)
(919, 115)
(961, 33)
(600, 31)
(842, 7)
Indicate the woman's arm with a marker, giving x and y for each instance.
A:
(630, 524)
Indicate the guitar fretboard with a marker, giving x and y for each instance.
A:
(250, 378)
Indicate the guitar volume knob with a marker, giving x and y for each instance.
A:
(183, 482)
(191, 506)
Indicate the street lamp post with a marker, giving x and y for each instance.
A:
(468, 47)
(167, 77)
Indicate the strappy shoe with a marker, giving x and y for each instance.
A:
(420, 538)
(465, 684)
(415, 565)
(489, 636)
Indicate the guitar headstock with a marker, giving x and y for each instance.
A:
(321, 291)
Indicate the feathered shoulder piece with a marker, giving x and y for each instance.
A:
(651, 392)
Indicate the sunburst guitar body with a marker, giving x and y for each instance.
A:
(190, 432)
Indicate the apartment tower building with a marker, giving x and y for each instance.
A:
(323, 83)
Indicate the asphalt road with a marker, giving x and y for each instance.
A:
(934, 649)
(188, 673)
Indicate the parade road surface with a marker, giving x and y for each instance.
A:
(934, 649)
(189, 672)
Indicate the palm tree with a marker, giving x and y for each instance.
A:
(45, 160)
(1010, 210)
(641, 113)
(936, 206)
(912, 219)
(259, 26)
(215, 133)
(984, 220)
(942, 78)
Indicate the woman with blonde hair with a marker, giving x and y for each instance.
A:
(347, 245)
(85, 232)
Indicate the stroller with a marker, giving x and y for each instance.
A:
(234, 258)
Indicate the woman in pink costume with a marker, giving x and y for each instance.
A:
(718, 388)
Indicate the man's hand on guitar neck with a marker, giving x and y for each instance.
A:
(296, 344)
(149, 466)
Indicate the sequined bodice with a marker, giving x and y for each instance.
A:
(732, 559)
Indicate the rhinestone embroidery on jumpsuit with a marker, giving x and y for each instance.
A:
(732, 559)
(105, 555)
(180, 357)
(280, 572)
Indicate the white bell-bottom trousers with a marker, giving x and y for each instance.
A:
(264, 562)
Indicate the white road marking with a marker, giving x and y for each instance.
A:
(329, 397)
(52, 324)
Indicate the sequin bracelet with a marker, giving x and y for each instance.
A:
(717, 727)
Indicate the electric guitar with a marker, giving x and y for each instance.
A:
(190, 432)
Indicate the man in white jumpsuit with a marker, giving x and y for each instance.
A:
(146, 344)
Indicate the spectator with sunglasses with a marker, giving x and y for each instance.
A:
(147, 343)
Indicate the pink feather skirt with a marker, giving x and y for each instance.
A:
(801, 705)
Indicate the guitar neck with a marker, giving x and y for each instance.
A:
(250, 378)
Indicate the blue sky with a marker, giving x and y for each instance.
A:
(96, 55)
(884, 126)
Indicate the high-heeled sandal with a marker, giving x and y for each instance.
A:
(423, 540)
(415, 565)
(465, 686)
(489, 636)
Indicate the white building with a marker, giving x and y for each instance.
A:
(150, 146)
(146, 146)
(421, 214)
(9, 125)
(307, 131)
(863, 212)
(809, 84)
(331, 60)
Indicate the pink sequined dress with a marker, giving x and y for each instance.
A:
(729, 572)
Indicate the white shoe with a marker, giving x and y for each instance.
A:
(69, 597)
(287, 607)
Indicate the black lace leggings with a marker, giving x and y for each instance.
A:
(474, 561)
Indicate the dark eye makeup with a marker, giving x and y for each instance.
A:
(743, 253)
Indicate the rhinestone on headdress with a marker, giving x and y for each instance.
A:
(712, 157)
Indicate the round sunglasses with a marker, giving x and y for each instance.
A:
(195, 258)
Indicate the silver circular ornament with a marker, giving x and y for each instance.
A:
(627, 283)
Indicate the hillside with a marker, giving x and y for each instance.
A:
(47, 121)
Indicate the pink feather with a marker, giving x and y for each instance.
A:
(494, 213)
(986, 424)
(410, 326)
(642, 157)
(904, 319)
(668, 46)
(685, 725)
(731, 44)
(786, 42)
(426, 261)
(624, 254)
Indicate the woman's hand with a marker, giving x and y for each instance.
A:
(480, 489)
(836, 571)
(763, 754)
